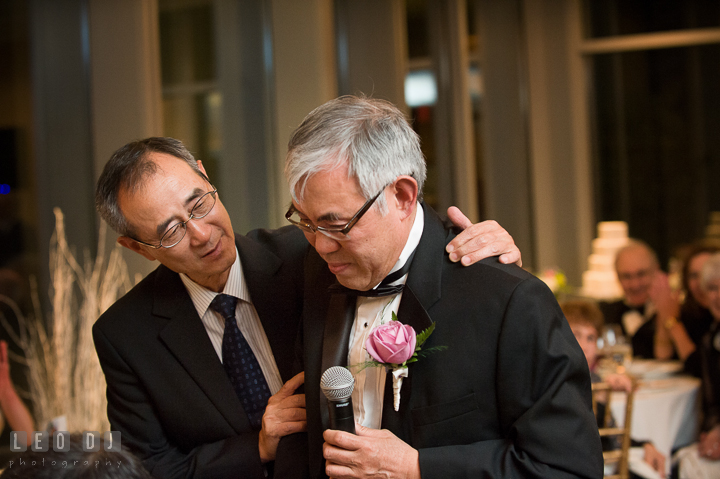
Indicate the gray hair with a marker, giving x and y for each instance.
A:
(710, 270)
(370, 136)
(127, 169)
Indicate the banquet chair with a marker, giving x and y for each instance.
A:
(616, 440)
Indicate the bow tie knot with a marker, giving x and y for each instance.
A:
(385, 288)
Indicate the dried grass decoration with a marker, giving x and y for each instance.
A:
(65, 378)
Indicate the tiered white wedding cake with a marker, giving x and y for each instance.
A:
(600, 280)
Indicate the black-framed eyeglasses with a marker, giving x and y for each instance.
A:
(338, 233)
(203, 206)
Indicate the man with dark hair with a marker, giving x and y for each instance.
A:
(508, 397)
(196, 354)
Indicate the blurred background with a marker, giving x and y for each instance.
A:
(545, 115)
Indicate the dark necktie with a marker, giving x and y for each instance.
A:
(385, 288)
(240, 363)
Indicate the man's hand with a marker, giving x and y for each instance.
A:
(654, 458)
(619, 382)
(370, 454)
(665, 299)
(709, 445)
(480, 241)
(284, 415)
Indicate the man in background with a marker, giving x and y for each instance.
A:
(177, 349)
(649, 310)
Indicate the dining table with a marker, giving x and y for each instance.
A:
(666, 406)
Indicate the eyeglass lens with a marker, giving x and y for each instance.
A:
(201, 209)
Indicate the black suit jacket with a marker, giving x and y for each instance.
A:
(168, 393)
(643, 341)
(510, 397)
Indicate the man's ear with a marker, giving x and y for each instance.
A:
(201, 167)
(133, 245)
(405, 194)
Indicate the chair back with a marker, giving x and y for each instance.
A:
(616, 440)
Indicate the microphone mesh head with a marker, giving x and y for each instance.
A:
(337, 383)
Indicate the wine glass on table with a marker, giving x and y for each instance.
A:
(615, 348)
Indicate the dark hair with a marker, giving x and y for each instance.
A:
(76, 464)
(580, 311)
(126, 169)
(696, 249)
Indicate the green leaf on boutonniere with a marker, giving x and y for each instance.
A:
(367, 364)
(394, 316)
(425, 352)
(422, 337)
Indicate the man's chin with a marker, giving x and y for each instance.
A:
(637, 302)
(351, 282)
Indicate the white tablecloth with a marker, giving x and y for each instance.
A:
(666, 412)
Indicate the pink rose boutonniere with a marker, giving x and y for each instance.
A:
(395, 345)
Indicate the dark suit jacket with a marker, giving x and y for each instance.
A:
(510, 397)
(168, 393)
(643, 341)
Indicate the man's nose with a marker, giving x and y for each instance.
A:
(198, 230)
(324, 244)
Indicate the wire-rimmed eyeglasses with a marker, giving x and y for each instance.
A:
(203, 206)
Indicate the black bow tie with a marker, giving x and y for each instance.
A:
(385, 288)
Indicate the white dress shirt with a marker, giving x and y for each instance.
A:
(247, 320)
(367, 397)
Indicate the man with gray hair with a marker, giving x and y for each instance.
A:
(196, 354)
(648, 313)
(506, 392)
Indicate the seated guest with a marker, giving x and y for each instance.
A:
(648, 313)
(694, 313)
(508, 397)
(76, 463)
(586, 322)
(12, 407)
(703, 458)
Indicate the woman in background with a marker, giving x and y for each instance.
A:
(586, 322)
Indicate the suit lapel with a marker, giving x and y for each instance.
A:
(261, 270)
(422, 291)
(425, 273)
(336, 339)
(186, 338)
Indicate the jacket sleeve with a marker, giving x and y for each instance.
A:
(544, 392)
(130, 411)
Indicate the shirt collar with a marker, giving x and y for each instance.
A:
(412, 242)
(235, 286)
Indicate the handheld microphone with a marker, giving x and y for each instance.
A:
(337, 384)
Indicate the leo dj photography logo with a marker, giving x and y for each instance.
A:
(59, 441)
